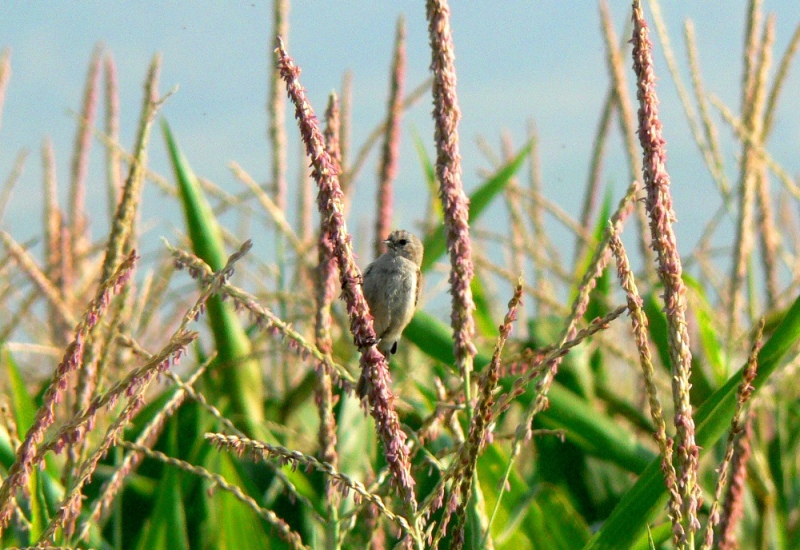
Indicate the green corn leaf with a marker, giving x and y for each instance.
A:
(166, 527)
(659, 332)
(241, 373)
(629, 519)
(233, 524)
(656, 537)
(582, 263)
(427, 169)
(40, 517)
(514, 509)
(22, 404)
(562, 525)
(593, 432)
(436, 242)
(484, 321)
(540, 517)
(709, 341)
(657, 326)
(41, 482)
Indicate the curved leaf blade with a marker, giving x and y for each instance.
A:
(241, 373)
(629, 519)
(595, 433)
(436, 242)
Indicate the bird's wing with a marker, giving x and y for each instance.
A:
(367, 272)
(419, 287)
(374, 294)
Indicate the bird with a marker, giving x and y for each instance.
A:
(391, 285)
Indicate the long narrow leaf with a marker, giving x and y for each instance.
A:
(483, 311)
(22, 404)
(427, 166)
(24, 412)
(593, 432)
(166, 527)
(436, 243)
(709, 336)
(240, 372)
(629, 519)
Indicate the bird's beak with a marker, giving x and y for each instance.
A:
(387, 242)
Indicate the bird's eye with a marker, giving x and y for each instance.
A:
(402, 242)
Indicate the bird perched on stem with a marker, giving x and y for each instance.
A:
(391, 286)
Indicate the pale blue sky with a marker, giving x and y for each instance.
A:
(516, 60)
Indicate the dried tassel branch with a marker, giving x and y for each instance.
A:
(683, 94)
(276, 110)
(80, 161)
(542, 366)
(164, 186)
(518, 233)
(11, 181)
(39, 279)
(24, 462)
(538, 233)
(545, 298)
(745, 135)
(263, 451)
(326, 288)
(113, 155)
(390, 155)
(326, 268)
(596, 267)
(148, 436)
(329, 201)
(21, 314)
(446, 115)
(70, 506)
(122, 233)
(75, 429)
(66, 272)
(548, 368)
(53, 219)
(434, 499)
(278, 216)
(350, 171)
(333, 131)
(595, 171)
(263, 317)
(552, 208)
(486, 149)
(305, 209)
(659, 208)
(738, 427)
(710, 148)
(52, 215)
(479, 430)
(750, 52)
(733, 508)
(616, 69)
(282, 528)
(348, 175)
(639, 325)
(768, 235)
(780, 78)
(199, 398)
(5, 76)
(121, 236)
(749, 168)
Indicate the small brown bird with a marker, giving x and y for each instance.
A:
(391, 286)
